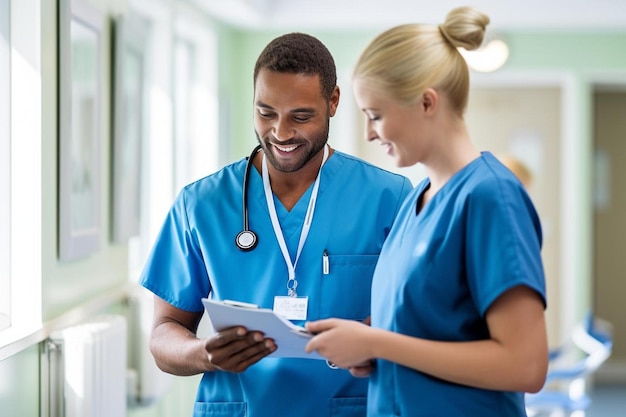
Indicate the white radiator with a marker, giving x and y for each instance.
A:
(88, 363)
(147, 383)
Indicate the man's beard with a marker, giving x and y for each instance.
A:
(317, 142)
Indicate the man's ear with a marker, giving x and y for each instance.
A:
(334, 101)
(430, 101)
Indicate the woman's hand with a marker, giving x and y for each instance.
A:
(346, 343)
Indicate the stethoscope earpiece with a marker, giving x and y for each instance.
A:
(246, 240)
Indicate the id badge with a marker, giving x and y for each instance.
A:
(291, 308)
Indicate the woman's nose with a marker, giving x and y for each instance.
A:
(370, 133)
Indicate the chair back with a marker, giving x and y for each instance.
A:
(570, 366)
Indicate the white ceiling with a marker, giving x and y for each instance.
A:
(378, 14)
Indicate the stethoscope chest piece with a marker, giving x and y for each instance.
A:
(246, 240)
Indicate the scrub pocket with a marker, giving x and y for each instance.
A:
(347, 287)
(231, 409)
(348, 407)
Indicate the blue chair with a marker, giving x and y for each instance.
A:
(565, 392)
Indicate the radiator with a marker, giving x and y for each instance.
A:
(87, 369)
(147, 383)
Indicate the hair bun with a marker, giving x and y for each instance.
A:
(465, 27)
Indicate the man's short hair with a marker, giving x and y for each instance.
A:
(299, 53)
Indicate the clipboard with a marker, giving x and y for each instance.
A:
(290, 339)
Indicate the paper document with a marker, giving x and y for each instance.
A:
(289, 338)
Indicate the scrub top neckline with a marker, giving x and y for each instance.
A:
(425, 184)
(256, 189)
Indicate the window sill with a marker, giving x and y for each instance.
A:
(14, 340)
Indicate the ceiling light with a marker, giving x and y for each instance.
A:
(488, 57)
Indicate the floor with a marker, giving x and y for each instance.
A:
(607, 400)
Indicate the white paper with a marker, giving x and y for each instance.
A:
(289, 338)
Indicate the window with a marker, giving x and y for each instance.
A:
(5, 168)
(184, 55)
(20, 170)
(182, 114)
(196, 152)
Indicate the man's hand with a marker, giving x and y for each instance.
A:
(177, 349)
(236, 349)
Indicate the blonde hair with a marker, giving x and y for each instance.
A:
(407, 59)
(518, 168)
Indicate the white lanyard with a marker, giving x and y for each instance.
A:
(292, 283)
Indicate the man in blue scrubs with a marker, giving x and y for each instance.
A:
(320, 218)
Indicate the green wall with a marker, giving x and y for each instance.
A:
(68, 284)
(580, 54)
(573, 51)
(19, 384)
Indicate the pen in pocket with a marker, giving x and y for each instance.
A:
(325, 263)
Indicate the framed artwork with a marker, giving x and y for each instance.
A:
(80, 40)
(130, 83)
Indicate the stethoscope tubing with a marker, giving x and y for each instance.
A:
(246, 240)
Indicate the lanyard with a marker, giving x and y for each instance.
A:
(292, 283)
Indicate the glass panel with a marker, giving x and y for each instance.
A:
(196, 113)
(127, 144)
(84, 125)
(183, 81)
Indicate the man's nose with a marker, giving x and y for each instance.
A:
(283, 130)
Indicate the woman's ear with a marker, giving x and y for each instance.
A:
(430, 101)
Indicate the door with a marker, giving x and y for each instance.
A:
(609, 222)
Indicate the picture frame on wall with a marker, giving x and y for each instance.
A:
(130, 84)
(80, 46)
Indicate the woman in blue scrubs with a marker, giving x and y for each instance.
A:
(318, 262)
(458, 295)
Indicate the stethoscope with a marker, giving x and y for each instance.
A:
(246, 240)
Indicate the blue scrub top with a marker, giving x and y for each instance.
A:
(438, 273)
(195, 255)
